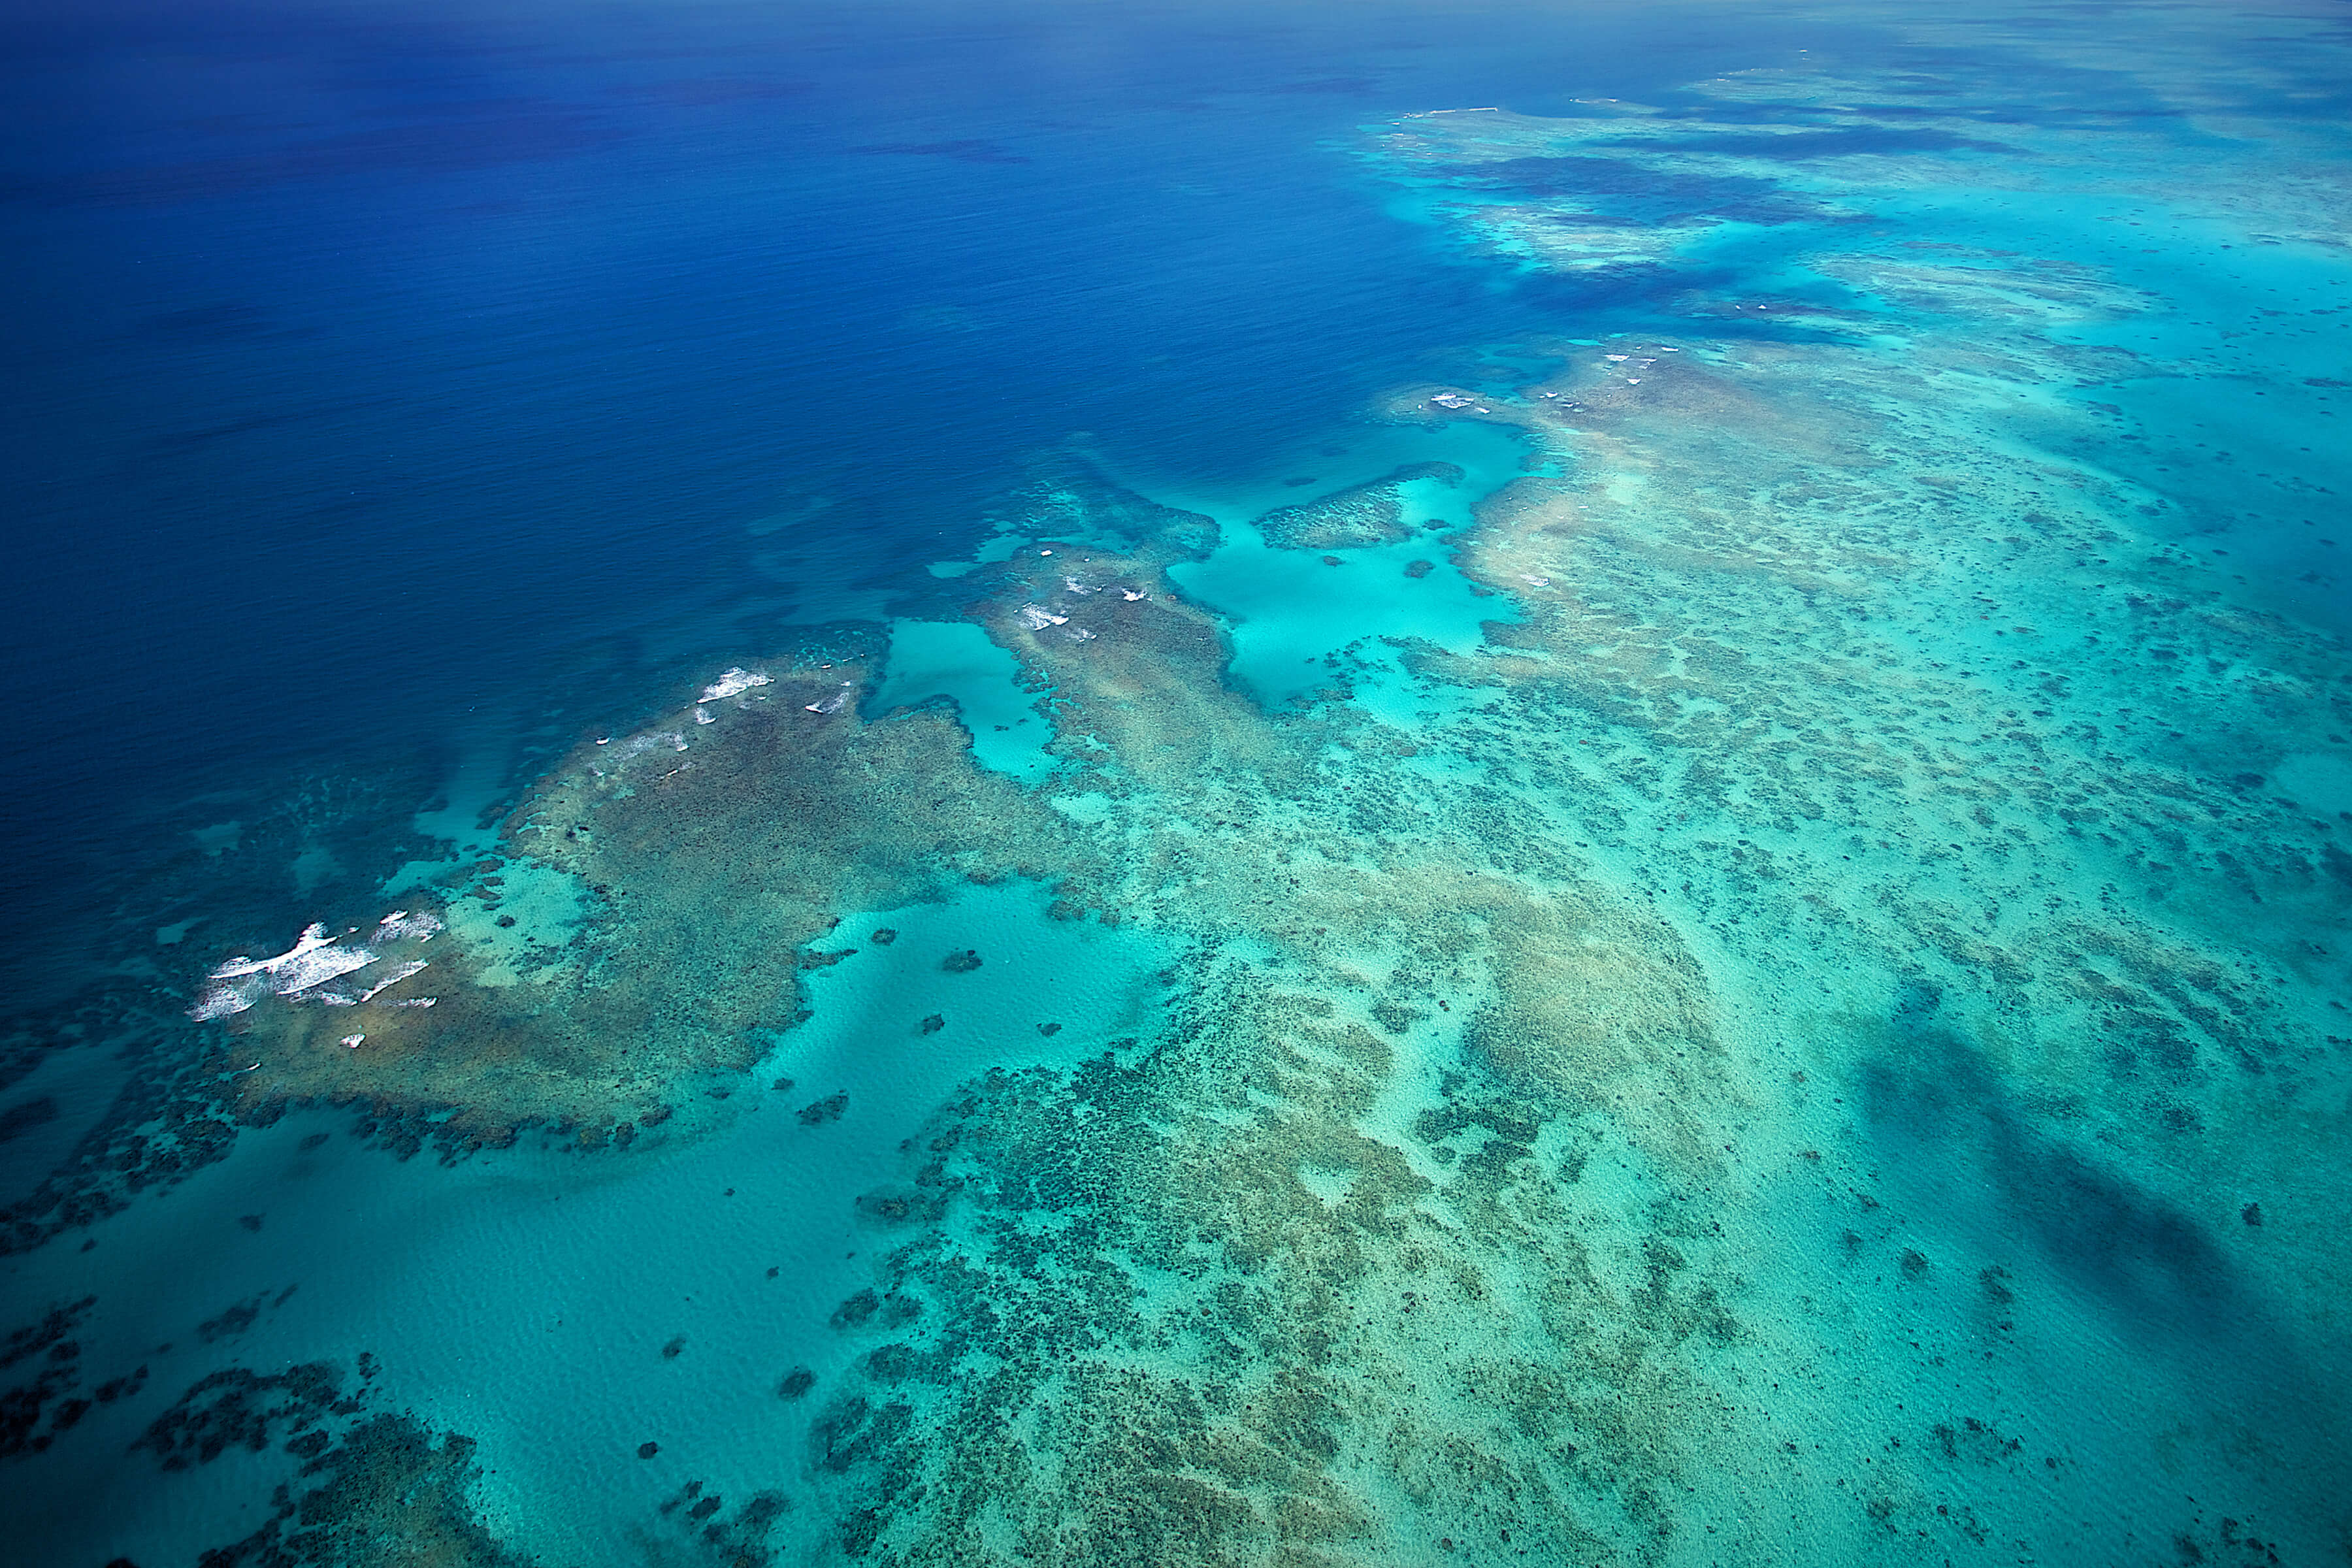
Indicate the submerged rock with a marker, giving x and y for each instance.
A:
(830, 1109)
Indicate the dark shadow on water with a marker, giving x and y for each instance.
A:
(1654, 301)
(1835, 143)
(1623, 188)
(502, 133)
(1980, 1157)
(2154, 1267)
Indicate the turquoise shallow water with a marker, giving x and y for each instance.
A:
(1667, 883)
(1288, 615)
(955, 660)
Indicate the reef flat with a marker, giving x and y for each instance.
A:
(1747, 963)
(654, 902)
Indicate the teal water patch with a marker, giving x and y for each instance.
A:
(518, 920)
(1300, 626)
(956, 660)
(2317, 780)
(1489, 457)
(515, 914)
(933, 993)
(1091, 807)
(467, 817)
(1308, 620)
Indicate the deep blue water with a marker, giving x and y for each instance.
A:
(375, 365)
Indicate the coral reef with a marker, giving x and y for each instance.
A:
(173, 1114)
(237, 1408)
(371, 1487)
(1426, 1221)
(1850, 943)
(392, 1492)
(690, 864)
(1145, 1332)
(1373, 513)
(54, 1369)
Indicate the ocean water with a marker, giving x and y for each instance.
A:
(1304, 785)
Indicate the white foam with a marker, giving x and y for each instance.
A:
(401, 926)
(299, 971)
(311, 962)
(395, 978)
(314, 936)
(316, 968)
(638, 746)
(1037, 619)
(733, 682)
(219, 1001)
